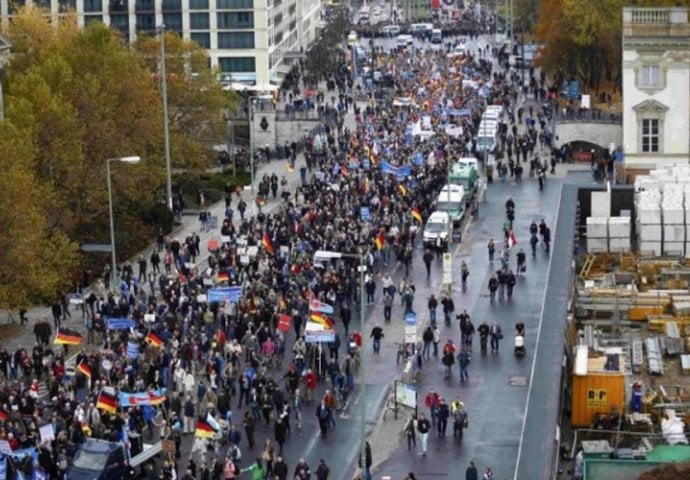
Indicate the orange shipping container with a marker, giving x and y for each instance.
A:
(595, 389)
(639, 314)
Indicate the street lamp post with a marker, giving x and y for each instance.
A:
(251, 154)
(130, 160)
(327, 255)
(166, 126)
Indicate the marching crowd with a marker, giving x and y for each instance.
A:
(217, 332)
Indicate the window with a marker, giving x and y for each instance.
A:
(198, 21)
(650, 135)
(146, 22)
(93, 5)
(234, 4)
(144, 6)
(173, 22)
(16, 5)
(172, 5)
(235, 20)
(121, 22)
(64, 5)
(198, 4)
(650, 76)
(92, 18)
(237, 64)
(202, 39)
(118, 6)
(236, 40)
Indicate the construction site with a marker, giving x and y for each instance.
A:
(626, 390)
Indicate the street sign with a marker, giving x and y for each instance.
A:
(405, 394)
(573, 91)
(96, 247)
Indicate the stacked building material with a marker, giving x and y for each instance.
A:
(619, 234)
(597, 234)
(673, 217)
(648, 223)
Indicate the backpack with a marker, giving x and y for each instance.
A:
(460, 418)
(323, 413)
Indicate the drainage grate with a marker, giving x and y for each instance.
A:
(518, 381)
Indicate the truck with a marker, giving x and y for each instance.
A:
(103, 460)
(465, 174)
(451, 200)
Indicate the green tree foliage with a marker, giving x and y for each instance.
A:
(33, 257)
(582, 38)
(196, 100)
(80, 96)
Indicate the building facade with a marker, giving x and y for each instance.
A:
(656, 87)
(251, 41)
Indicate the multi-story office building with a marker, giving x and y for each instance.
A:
(254, 41)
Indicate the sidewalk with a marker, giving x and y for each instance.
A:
(14, 336)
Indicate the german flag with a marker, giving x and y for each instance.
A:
(324, 320)
(156, 399)
(380, 241)
(268, 245)
(107, 401)
(402, 190)
(67, 337)
(84, 368)
(153, 339)
(4, 416)
(204, 429)
(417, 214)
(222, 277)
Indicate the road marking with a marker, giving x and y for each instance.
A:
(536, 346)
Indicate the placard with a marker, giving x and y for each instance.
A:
(410, 334)
(201, 298)
(208, 282)
(252, 251)
(76, 299)
(284, 249)
(405, 394)
(189, 266)
(5, 447)
(244, 259)
(317, 336)
(586, 102)
(225, 238)
(47, 432)
(149, 317)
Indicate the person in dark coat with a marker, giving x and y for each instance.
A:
(280, 433)
(471, 473)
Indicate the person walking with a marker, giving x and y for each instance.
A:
(431, 401)
(464, 273)
(387, 306)
(510, 283)
(463, 363)
(491, 247)
(410, 431)
(432, 305)
(471, 473)
(459, 419)
(493, 286)
(377, 335)
(502, 280)
(437, 340)
(448, 308)
(521, 261)
(488, 474)
(547, 239)
(427, 340)
(448, 357)
(423, 427)
(443, 416)
(427, 259)
(496, 334)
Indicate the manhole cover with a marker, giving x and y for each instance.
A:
(519, 381)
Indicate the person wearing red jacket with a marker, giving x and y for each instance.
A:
(432, 401)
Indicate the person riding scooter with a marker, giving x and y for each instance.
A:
(519, 339)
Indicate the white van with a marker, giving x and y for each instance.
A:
(364, 13)
(404, 40)
(437, 231)
(391, 30)
(468, 162)
(491, 115)
(436, 35)
(451, 200)
(487, 125)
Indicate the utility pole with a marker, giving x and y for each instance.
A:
(166, 126)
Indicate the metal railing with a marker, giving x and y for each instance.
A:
(589, 116)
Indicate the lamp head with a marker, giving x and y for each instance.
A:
(133, 159)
